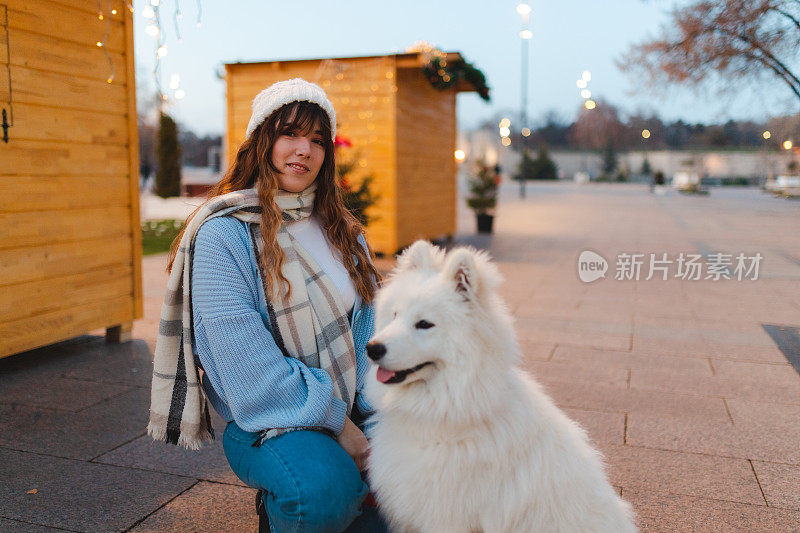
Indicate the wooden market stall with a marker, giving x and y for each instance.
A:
(402, 130)
(70, 239)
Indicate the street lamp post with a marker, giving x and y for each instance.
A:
(787, 145)
(646, 163)
(588, 104)
(525, 11)
(767, 135)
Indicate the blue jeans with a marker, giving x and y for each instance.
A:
(310, 483)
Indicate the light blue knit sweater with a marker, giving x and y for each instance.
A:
(246, 377)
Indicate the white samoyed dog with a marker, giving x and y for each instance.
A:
(464, 440)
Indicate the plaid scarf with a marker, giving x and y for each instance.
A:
(311, 326)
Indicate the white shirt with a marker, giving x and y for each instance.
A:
(310, 235)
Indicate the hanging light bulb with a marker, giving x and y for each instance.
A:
(174, 81)
(162, 51)
(148, 12)
(151, 30)
(179, 94)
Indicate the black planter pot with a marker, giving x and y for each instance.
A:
(485, 222)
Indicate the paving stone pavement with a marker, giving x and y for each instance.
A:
(678, 382)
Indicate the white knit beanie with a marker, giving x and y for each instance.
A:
(285, 92)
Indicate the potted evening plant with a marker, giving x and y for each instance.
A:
(482, 197)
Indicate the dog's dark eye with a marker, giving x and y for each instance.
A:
(423, 324)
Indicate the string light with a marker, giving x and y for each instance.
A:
(7, 118)
(102, 44)
(161, 49)
(176, 16)
(152, 11)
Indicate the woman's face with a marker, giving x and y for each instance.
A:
(298, 156)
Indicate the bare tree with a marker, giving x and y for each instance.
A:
(735, 39)
(596, 127)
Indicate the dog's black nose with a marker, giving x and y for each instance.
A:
(376, 350)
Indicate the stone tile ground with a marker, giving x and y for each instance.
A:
(695, 408)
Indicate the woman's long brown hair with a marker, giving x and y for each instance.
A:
(253, 165)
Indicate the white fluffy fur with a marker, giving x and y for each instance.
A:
(473, 443)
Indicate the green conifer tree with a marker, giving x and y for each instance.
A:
(168, 174)
(543, 166)
(356, 199)
(609, 159)
(483, 189)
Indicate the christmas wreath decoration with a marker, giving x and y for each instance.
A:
(443, 74)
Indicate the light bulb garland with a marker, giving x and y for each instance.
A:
(105, 16)
(161, 49)
(344, 82)
(152, 11)
(176, 16)
(101, 16)
(7, 117)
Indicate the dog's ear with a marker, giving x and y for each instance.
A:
(461, 270)
(420, 255)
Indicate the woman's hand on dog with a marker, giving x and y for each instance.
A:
(354, 443)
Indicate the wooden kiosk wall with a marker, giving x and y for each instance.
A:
(70, 237)
(402, 129)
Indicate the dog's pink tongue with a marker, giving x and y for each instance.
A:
(384, 375)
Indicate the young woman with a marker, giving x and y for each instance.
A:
(271, 285)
